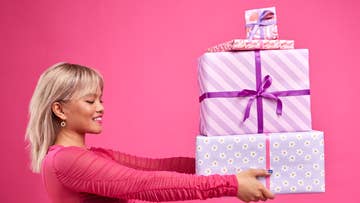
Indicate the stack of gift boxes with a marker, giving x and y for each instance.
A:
(255, 110)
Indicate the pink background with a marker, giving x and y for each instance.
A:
(147, 52)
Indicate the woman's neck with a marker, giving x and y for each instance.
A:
(70, 138)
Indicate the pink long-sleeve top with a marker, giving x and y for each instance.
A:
(74, 174)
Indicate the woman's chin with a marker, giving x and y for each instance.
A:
(95, 131)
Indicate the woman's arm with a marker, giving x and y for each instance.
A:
(86, 171)
(178, 164)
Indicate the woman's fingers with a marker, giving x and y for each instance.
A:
(259, 172)
(258, 196)
(251, 189)
(267, 194)
(261, 196)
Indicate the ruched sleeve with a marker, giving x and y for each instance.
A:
(84, 170)
(178, 164)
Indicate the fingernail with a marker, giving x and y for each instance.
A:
(270, 171)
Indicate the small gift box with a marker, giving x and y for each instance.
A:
(246, 44)
(254, 92)
(261, 23)
(296, 159)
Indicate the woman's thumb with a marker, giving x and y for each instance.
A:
(261, 172)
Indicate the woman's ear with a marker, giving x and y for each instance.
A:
(57, 109)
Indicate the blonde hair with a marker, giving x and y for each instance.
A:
(61, 82)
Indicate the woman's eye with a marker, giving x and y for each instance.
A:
(90, 102)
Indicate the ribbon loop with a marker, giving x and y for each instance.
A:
(267, 82)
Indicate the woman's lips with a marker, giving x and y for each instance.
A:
(98, 119)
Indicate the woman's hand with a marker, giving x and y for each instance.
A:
(250, 189)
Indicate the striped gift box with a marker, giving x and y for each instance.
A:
(296, 159)
(254, 92)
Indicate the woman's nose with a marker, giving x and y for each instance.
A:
(100, 108)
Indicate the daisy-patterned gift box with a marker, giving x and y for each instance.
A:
(257, 91)
(261, 23)
(296, 159)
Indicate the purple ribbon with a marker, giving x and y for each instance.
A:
(263, 20)
(261, 92)
(258, 94)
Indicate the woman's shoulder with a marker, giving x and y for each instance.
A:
(70, 160)
(63, 157)
(64, 151)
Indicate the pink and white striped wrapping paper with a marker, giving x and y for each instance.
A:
(246, 44)
(235, 71)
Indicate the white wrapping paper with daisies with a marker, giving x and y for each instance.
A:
(296, 158)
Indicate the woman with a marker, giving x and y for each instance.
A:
(67, 104)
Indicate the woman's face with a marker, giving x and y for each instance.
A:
(84, 114)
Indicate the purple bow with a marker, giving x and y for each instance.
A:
(263, 20)
(261, 92)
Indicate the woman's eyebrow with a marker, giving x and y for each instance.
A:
(92, 95)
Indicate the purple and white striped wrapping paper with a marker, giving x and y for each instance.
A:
(296, 159)
(235, 71)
